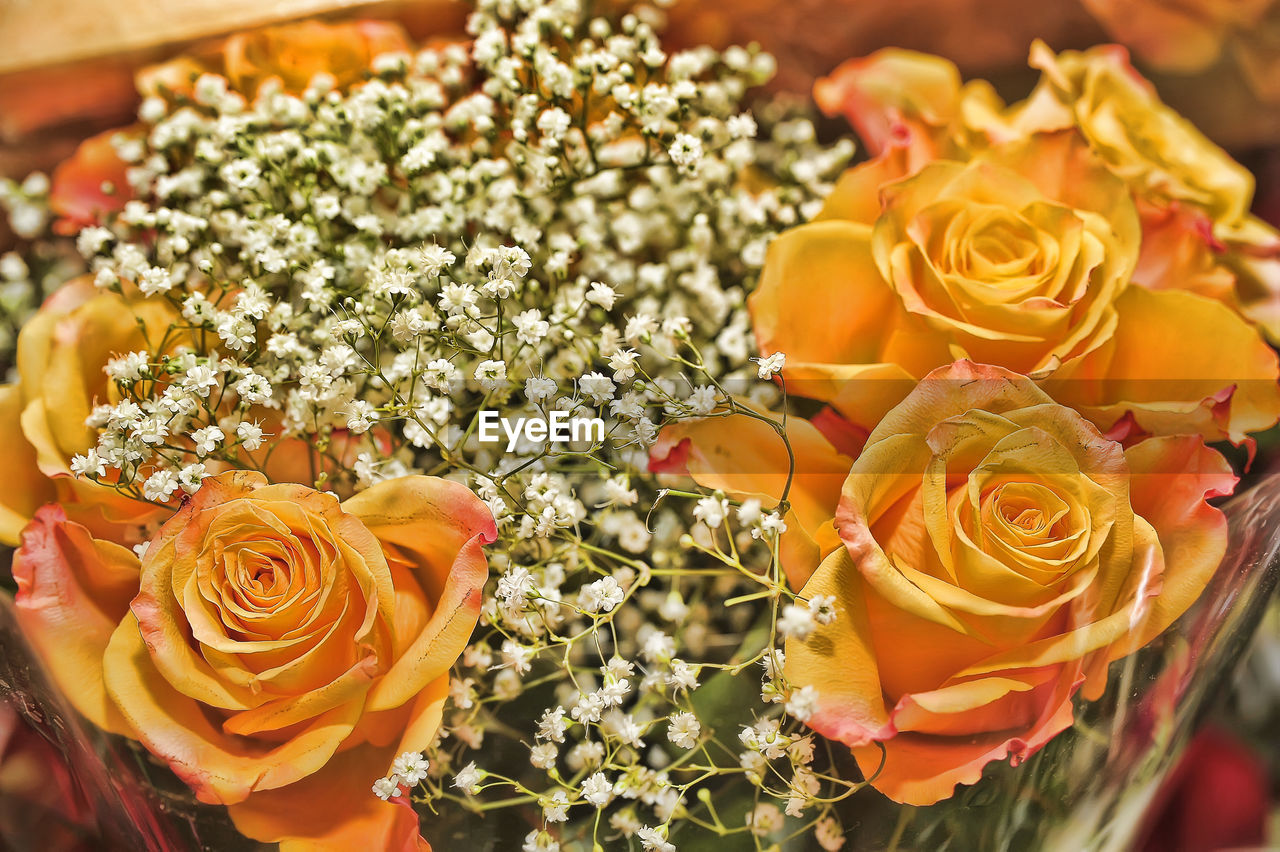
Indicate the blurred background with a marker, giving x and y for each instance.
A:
(69, 69)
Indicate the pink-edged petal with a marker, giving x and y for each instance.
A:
(72, 592)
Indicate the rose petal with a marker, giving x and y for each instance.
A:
(1172, 479)
(746, 458)
(920, 769)
(72, 592)
(822, 300)
(27, 488)
(1172, 355)
(221, 768)
(77, 195)
(334, 808)
(889, 91)
(840, 661)
(439, 527)
(856, 196)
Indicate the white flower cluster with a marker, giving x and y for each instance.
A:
(560, 217)
(524, 227)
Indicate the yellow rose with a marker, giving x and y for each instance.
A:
(1021, 257)
(997, 554)
(62, 351)
(275, 647)
(1192, 198)
(1144, 141)
(296, 53)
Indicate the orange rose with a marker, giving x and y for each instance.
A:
(902, 98)
(998, 553)
(62, 351)
(292, 53)
(276, 647)
(62, 355)
(1192, 198)
(1019, 256)
(89, 185)
(296, 53)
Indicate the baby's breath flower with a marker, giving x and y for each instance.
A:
(555, 808)
(468, 779)
(598, 387)
(492, 375)
(597, 789)
(683, 729)
(802, 703)
(88, 464)
(386, 788)
(411, 767)
(796, 622)
(654, 840)
(771, 366)
(764, 820)
(829, 834)
(544, 755)
(711, 511)
(686, 152)
(249, 434)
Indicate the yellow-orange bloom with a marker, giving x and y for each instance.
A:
(1019, 256)
(295, 53)
(998, 553)
(291, 53)
(62, 351)
(1192, 198)
(901, 98)
(1142, 139)
(276, 647)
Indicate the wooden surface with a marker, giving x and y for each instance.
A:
(40, 33)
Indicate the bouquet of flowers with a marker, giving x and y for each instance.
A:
(544, 420)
